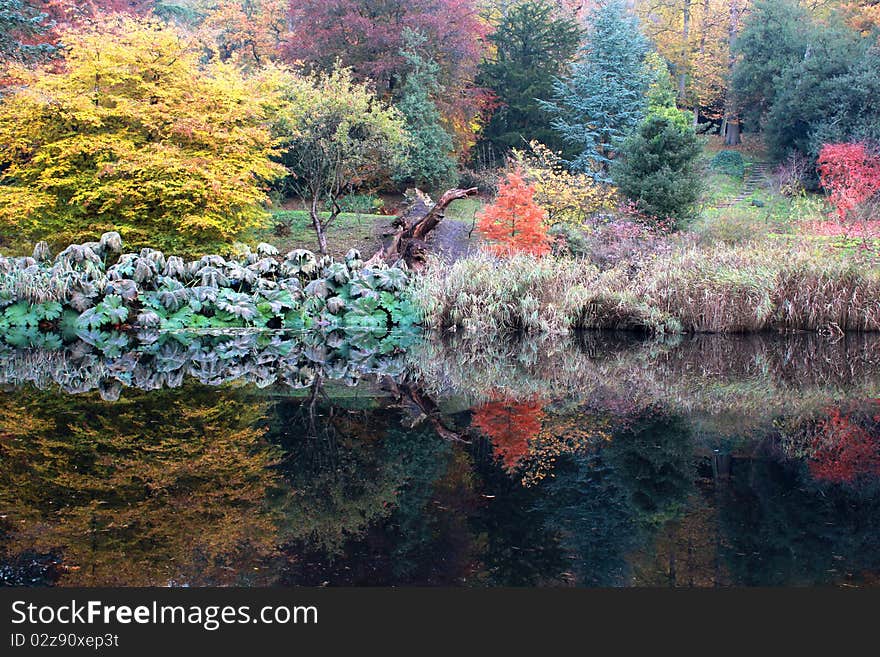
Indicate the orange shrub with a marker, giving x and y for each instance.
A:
(514, 223)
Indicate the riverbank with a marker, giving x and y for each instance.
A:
(672, 288)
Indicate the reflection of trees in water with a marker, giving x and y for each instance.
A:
(840, 443)
(780, 528)
(162, 487)
(370, 496)
(604, 503)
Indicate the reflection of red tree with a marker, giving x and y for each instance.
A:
(844, 450)
(510, 427)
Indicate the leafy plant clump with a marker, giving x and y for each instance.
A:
(730, 163)
(80, 294)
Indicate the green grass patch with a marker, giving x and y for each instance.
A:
(292, 229)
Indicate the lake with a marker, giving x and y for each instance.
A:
(588, 460)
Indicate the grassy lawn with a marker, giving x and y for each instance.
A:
(350, 230)
(465, 209)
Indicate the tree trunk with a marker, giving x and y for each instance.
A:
(414, 226)
(318, 226)
(685, 38)
(731, 117)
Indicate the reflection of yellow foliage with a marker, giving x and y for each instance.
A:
(566, 197)
(563, 434)
(684, 552)
(160, 487)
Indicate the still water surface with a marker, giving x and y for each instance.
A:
(600, 460)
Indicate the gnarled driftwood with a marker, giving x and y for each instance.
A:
(413, 226)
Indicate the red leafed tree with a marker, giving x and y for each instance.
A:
(844, 450)
(367, 36)
(510, 426)
(851, 175)
(515, 222)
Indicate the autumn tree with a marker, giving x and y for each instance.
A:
(368, 37)
(692, 36)
(514, 222)
(603, 99)
(567, 197)
(850, 173)
(133, 134)
(533, 42)
(253, 30)
(336, 137)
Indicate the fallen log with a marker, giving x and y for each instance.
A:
(413, 227)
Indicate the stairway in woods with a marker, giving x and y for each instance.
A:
(759, 176)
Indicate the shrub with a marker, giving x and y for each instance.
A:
(514, 223)
(730, 163)
(566, 197)
(361, 204)
(794, 175)
(851, 175)
(657, 169)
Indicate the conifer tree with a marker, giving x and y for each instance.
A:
(657, 168)
(429, 160)
(534, 43)
(514, 223)
(603, 100)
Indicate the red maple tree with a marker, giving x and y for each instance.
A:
(514, 223)
(851, 175)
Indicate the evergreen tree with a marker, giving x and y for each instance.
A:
(604, 99)
(657, 168)
(429, 161)
(534, 43)
(775, 35)
(20, 23)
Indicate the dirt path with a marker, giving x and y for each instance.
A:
(451, 240)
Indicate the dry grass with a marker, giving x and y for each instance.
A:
(716, 289)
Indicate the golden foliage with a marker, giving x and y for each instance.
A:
(566, 197)
(133, 132)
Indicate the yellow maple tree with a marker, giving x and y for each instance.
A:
(134, 134)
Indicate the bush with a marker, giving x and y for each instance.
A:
(730, 163)
(657, 169)
(566, 197)
(361, 204)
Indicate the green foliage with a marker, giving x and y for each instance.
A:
(336, 137)
(534, 42)
(604, 98)
(657, 169)
(661, 95)
(806, 82)
(429, 160)
(775, 34)
(360, 204)
(730, 163)
(150, 293)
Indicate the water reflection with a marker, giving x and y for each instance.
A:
(597, 461)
